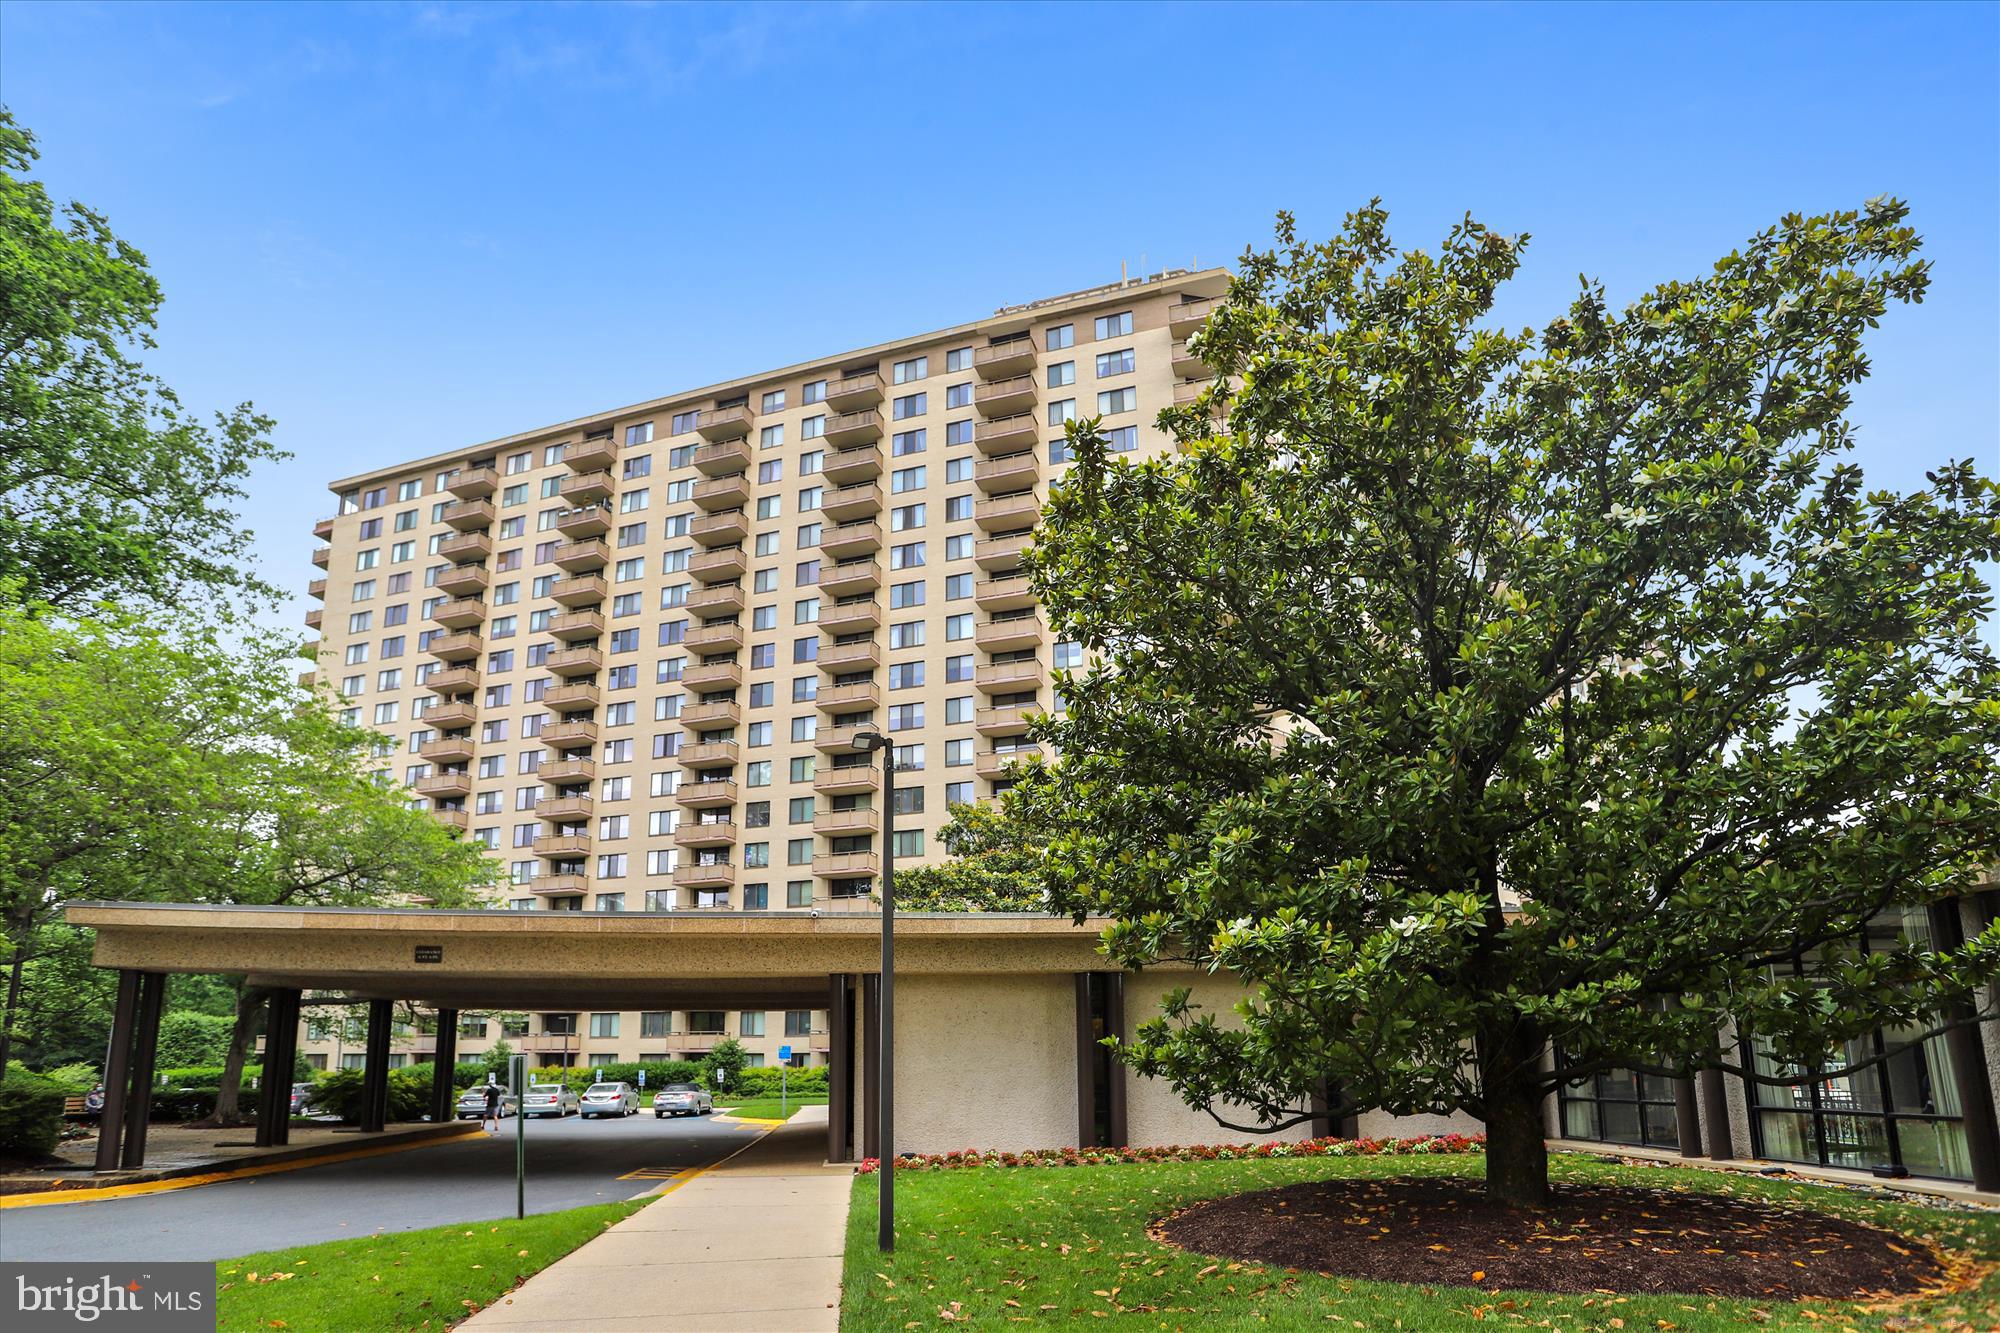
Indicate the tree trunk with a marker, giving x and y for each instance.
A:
(1517, 1153)
(249, 1007)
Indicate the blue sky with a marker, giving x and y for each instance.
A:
(404, 229)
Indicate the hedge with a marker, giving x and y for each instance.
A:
(31, 1113)
(409, 1093)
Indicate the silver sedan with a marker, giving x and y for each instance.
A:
(681, 1099)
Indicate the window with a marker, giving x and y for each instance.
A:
(906, 442)
(904, 517)
(773, 401)
(957, 395)
(957, 754)
(1117, 400)
(958, 709)
(750, 1023)
(905, 717)
(906, 372)
(959, 358)
(910, 405)
(957, 432)
(906, 675)
(812, 428)
(682, 423)
(1121, 439)
(1059, 337)
(906, 594)
(771, 437)
(799, 893)
(604, 1025)
(909, 842)
(1062, 411)
(957, 793)
(957, 587)
(906, 479)
(814, 392)
(958, 509)
(1066, 654)
(907, 634)
(958, 627)
(639, 434)
(799, 852)
(656, 1023)
(1115, 326)
(1061, 374)
(1114, 363)
(957, 669)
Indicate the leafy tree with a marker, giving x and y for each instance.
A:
(724, 1063)
(108, 487)
(188, 1039)
(496, 1058)
(1502, 706)
(995, 866)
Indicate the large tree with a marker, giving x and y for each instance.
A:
(994, 866)
(109, 487)
(1502, 706)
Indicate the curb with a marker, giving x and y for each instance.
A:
(303, 1158)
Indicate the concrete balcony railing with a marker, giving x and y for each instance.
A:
(1011, 592)
(577, 626)
(722, 458)
(714, 754)
(712, 716)
(582, 557)
(466, 546)
(1007, 435)
(723, 637)
(320, 557)
(579, 590)
(568, 772)
(462, 580)
(839, 740)
(721, 565)
(569, 735)
(1004, 360)
(452, 817)
(460, 613)
(453, 680)
(562, 846)
(727, 528)
(860, 462)
(317, 588)
(846, 865)
(713, 676)
(851, 428)
(714, 875)
(849, 504)
(1011, 720)
(1186, 364)
(861, 696)
(593, 455)
(1010, 677)
(584, 521)
(564, 809)
(1009, 633)
(473, 483)
(451, 716)
(456, 647)
(575, 662)
(1010, 472)
(324, 529)
(850, 539)
(588, 488)
(706, 795)
(849, 617)
(719, 493)
(995, 764)
(841, 657)
(995, 554)
(1186, 317)
(315, 618)
(847, 823)
(848, 779)
(849, 577)
(560, 886)
(447, 750)
(724, 423)
(706, 833)
(854, 392)
(1007, 513)
(465, 515)
(1003, 398)
(717, 599)
(445, 786)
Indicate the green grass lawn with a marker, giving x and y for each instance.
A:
(1056, 1244)
(404, 1280)
(766, 1108)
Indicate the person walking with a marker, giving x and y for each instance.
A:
(493, 1096)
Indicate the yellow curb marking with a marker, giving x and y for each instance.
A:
(46, 1198)
(652, 1173)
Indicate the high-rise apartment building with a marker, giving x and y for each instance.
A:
(629, 653)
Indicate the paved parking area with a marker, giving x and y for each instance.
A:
(570, 1163)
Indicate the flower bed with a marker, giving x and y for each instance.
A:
(966, 1158)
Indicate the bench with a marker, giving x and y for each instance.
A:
(73, 1109)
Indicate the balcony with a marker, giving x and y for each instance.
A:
(1007, 435)
(567, 773)
(850, 617)
(847, 823)
(456, 647)
(560, 886)
(1007, 513)
(562, 846)
(726, 637)
(460, 613)
(861, 462)
(1005, 360)
(324, 529)
(706, 795)
(473, 483)
(452, 817)
(1002, 398)
(847, 780)
(719, 460)
(715, 754)
(846, 865)
(854, 392)
(465, 515)
(1010, 677)
(850, 539)
(457, 680)
(461, 580)
(849, 579)
(451, 716)
(994, 554)
(575, 662)
(445, 786)
(1011, 720)
(315, 617)
(720, 565)
(317, 588)
(1187, 365)
(838, 658)
(1188, 316)
(1011, 472)
(725, 529)
(705, 676)
(718, 599)
(586, 488)
(593, 455)
(1009, 633)
(712, 833)
(717, 875)
(854, 428)
(724, 423)
(589, 521)
(1010, 593)
(319, 557)
(564, 809)
(712, 717)
(994, 765)
(579, 590)
(718, 493)
(839, 740)
(577, 626)
(582, 557)
(571, 698)
(851, 503)
(308, 679)
(446, 750)
(579, 735)
(863, 695)
(466, 546)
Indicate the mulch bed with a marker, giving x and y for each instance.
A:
(1591, 1239)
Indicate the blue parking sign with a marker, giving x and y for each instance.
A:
(784, 1055)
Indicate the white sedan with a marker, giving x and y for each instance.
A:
(550, 1099)
(617, 1099)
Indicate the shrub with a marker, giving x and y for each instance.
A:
(184, 1104)
(764, 1081)
(206, 1076)
(75, 1079)
(31, 1113)
(188, 1038)
(339, 1093)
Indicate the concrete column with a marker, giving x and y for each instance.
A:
(1086, 1064)
(1968, 1065)
(1100, 1012)
(1687, 1117)
(117, 1070)
(871, 1061)
(1114, 1026)
(1715, 1116)
(375, 1074)
(145, 1051)
(442, 1061)
(278, 1063)
(840, 1068)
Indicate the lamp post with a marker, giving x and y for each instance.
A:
(885, 1057)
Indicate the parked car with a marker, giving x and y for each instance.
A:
(553, 1099)
(681, 1099)
(617, 1099)
(472, 1104)
(302, 1099)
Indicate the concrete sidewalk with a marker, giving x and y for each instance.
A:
(754, 1242)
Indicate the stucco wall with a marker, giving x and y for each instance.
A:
(985, 1062)
(1154, 1112)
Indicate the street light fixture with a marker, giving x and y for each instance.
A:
(865, 741)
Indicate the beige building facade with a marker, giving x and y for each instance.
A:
(629, 653)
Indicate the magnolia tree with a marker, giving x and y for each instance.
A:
(1505, 707)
